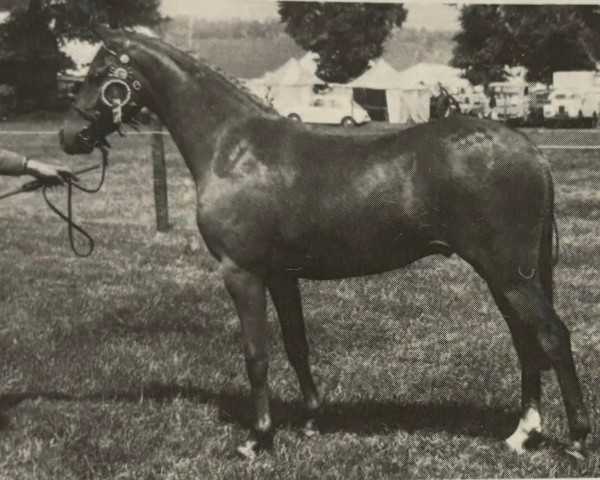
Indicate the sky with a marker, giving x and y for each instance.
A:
(430, 16)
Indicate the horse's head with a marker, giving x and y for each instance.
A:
(111, 94)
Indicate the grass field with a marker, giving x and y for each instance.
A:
(128, 364)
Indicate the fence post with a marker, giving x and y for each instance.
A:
(161, 202)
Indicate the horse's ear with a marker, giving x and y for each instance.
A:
(111, 38)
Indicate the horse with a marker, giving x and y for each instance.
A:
(278, 201)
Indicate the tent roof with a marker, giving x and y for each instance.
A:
(292, 73)
(431, 74)
(379, 76)
(382, 76)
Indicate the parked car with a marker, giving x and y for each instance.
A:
(335, 111)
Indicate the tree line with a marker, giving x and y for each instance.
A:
(347, 36)
(542, 38)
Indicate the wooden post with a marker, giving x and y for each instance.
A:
(161, 202)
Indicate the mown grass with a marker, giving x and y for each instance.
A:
(128, 364)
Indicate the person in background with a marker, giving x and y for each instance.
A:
(14, 164)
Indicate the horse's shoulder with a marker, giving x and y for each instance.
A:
(247, 144)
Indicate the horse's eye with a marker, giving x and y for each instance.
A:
(85, 134)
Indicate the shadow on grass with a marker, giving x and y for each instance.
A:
(361, 417)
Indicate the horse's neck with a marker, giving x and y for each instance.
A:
(193, 107)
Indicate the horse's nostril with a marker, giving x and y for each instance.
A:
(85, 134)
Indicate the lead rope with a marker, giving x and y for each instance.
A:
(69, 216)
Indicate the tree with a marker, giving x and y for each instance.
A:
(11, 4)
(73, 18)
(346, 36)
(30, 40)
(30, 57)
(544, 39)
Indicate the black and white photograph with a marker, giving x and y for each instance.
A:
(275, 239)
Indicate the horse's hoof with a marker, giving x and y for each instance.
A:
(257, 442)
(575, 450)
(248, 450)
(310, 432)
(516, 443)
(517, 448)
(310, 429)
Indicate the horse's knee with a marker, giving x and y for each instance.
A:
(257, 369)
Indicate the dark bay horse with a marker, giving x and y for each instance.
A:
(278, 202)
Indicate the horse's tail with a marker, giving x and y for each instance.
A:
(549, 246)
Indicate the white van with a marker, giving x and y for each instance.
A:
(572, 104)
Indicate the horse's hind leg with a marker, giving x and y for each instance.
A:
(285, 293)
(530, 306)
(532, 360)
(248, 292)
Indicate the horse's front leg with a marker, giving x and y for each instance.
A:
(247, 289)
(285, 292)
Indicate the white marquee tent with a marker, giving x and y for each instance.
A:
(290, 83)
(407, 100)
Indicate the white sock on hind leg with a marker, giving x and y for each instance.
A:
(529, 423)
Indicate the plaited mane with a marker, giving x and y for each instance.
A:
(198, 68)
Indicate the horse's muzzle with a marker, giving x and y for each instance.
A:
(75, 143)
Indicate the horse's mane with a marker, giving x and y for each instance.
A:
(198, 68)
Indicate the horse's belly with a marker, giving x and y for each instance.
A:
(321, 258)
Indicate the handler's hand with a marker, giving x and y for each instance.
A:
(50, 174)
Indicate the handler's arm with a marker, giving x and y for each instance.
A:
(15, 164)
(11, 163)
